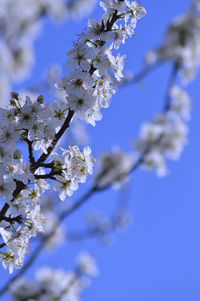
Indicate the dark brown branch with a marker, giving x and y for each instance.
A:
(30, 150)
(19, 187)
(57, 137)
(110, 23)
(47, 176)
(16, 219)
(47, 165)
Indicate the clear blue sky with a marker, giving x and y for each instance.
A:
(158, 258)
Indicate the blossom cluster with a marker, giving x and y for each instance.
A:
(90, 85)
(39, 125)
(57, 284)
(181, 43)
(20, 24)
(75, 166)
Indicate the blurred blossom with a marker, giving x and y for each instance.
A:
(196, 4)
(87, 265)
(181, 102)
(56, 284)
(51, 225)
(181, 44)
(113, 168)
(77, 8)
(79, 133)
(4, 90)
(53, 74)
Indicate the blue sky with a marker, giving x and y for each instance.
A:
(158, 257)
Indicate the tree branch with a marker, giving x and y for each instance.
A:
(16, 219)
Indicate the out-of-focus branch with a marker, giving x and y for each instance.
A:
(142, 74)
(172, 80)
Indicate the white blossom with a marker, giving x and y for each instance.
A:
(75, 166)
(87, 264)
